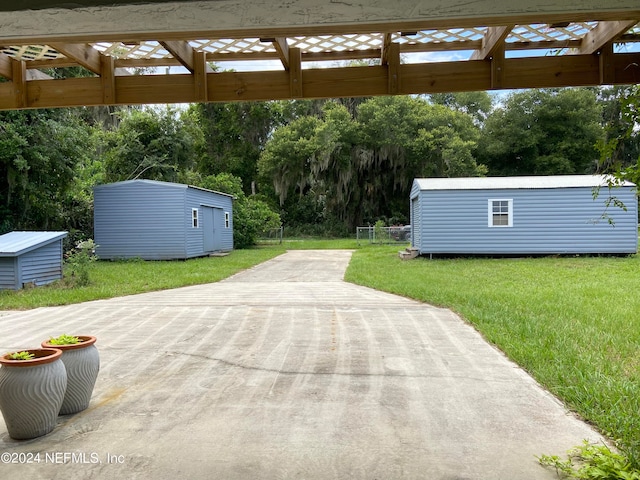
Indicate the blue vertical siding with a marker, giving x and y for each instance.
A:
(30, 257)
(42, 265)
(139, 219)
(197, 198)
(545, 221)
(152, 220)
(9, 273)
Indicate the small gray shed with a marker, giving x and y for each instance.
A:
(30, 257)
(521, 215)
(160, 220)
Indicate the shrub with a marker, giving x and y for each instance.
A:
(592, 462)
(79, 259)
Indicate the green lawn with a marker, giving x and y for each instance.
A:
(113, 279)
(318, 244)
(573, 323)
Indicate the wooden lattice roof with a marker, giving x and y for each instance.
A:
(402, 51)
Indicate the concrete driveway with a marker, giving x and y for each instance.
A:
(285, 371)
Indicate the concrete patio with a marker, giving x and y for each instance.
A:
(285, 371)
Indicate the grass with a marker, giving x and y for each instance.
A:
(114, 279)
(573, 323)
(318, 244)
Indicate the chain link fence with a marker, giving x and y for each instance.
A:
(383, 235)
(272, 237)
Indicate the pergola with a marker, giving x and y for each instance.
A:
(325, 48)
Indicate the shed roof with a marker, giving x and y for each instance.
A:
(527, 182)
(159, 183)
(14, 244)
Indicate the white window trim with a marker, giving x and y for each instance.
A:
(227, 220)
(509, 212)
(195, 220)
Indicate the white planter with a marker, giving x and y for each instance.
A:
(31, 392)
(82, 363)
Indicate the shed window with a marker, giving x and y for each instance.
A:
(226, 219)
(500, 213)
(194, 217)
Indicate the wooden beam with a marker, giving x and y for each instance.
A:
(181, 51)
(497, 66)
(602, 34)
(446, 77)
(393, 68)
(553, 71)
(6, 69)
(200, 76)
(84, 54)
(108, 78)
(607, 67)
(282, 47)
(19, 82)
(295, 72)
(184, 54)
(473, 75)
(493, 41)
(322, 56)
(384, 54)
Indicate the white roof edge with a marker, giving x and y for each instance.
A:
(159, 182)
(18, 242)
(524, 182)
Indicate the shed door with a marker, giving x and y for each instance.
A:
(212, 224)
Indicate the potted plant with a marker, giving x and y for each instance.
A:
(32, 388)
(82, 361)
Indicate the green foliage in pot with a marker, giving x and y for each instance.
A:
(21, 356)
(64, 340)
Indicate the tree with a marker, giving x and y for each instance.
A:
(476, 104)
(234, 134)
(620, 149)
(360, 168)
(542, 132)
(39, 153)
(152, 144)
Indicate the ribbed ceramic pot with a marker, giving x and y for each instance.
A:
(82, 362)
(31, 392)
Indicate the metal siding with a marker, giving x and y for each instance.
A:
(415, 214)
(140, 219)
(197, 198)
(13, 244)
(41, 266)
(8, 277)
(545, 221)
(511, 183)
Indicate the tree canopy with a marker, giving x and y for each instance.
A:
(358, 167)
(321, 166)
(543, 132)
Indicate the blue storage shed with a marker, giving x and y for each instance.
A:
(522, 215)
(160, 220)
(30, 258)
